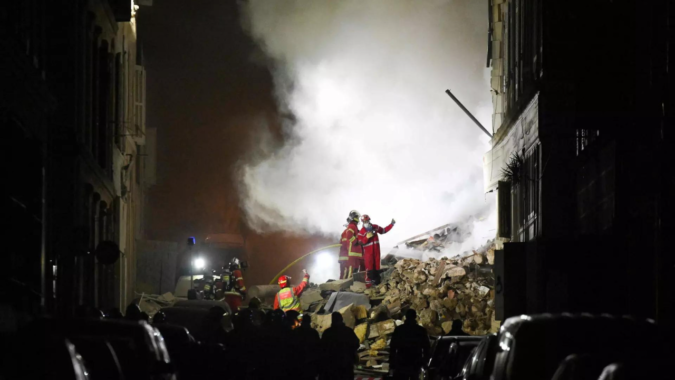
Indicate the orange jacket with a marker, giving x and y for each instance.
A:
(297, 291)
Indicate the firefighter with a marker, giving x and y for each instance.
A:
(351, 254)
(234, 288)
(288, 297)
(368, 237)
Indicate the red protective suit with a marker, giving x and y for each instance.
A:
(235, 296)
(371, 250)
(343, 257)
(297, 291)
(239, 281)
(351, 253)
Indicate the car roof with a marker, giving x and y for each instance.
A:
(571, 321)
(203, 304)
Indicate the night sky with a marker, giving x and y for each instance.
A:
(208, 96)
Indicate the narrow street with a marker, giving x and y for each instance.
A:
(320, 189)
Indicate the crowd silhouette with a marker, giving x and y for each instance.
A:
(252, 344)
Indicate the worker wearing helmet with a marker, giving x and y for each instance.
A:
(234, 288)
(368, 237)
(351, 254)
(288, 297)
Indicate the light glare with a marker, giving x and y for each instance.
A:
(200, 263)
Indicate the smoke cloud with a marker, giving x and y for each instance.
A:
(371, 127)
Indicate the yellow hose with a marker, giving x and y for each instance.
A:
(274, 280)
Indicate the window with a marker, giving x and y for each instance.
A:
(585, 137)
(525, 204)
(119, 103)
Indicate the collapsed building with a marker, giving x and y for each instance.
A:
(440, 290)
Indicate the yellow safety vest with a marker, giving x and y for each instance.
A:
(288, 300)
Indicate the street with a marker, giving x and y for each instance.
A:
(381, 189)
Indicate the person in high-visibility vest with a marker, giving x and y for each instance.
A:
(288, 298)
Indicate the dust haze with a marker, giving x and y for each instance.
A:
(371, 127)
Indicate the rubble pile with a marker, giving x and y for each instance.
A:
(440, 239)
(441, 291)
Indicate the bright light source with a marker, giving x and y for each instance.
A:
(324, 259)
(199, 263)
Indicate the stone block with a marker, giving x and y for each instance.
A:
(382, 328)
(309, 296)
(337, 285)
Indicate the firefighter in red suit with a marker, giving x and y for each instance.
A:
(288, 298)
(234, 288)
(368, 237)
(351, 254)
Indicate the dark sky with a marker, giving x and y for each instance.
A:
(207, 99)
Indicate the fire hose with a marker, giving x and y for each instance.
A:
(274, 280)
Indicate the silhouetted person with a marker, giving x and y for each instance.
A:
(456, 330)
(339, 345)
(192, 294)
(309, 343)
(133, 312)
(257, 314)
(279, 347)
(243, 343)
(145, 317)
(159, 318)
(212, 331)
(409, 348)
(115, 313)
(88, 312)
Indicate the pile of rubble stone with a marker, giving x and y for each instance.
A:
(440, 238)
(441, 291)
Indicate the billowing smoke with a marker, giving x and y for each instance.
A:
(372, 128)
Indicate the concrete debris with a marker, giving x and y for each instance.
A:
(336, 285)
(382, 328)
(379, 345)
(359, 277)
(361, 331)
(310, 296)
(360, 312)
(440, 290)
(358, 287)
(348, 316)
(152, 303)
(338, 300)
(320, 322)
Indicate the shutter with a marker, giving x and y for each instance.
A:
(139, 105)
(504, 209)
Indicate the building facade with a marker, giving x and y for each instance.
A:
(583, 126)
(77, 114)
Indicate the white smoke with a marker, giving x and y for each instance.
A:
(373, 129)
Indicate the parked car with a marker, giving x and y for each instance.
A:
(534, 347)
(448, 354)
(139, 348)
(44, 358)
(479, 364)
